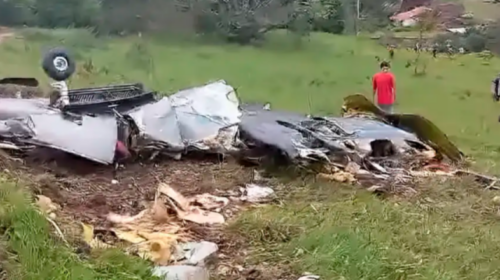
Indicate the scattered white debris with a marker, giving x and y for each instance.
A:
(309, 277)
(181, 272)
(460, 30)
(256, 194)
(114, 182)
(195, 253)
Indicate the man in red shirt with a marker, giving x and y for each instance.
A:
(384, 87)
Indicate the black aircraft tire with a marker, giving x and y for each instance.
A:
(58, 64)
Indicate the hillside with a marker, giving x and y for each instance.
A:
(336, 231)
(483, 9)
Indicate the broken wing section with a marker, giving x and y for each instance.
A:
(333, 139)
(264, 130)
(93, 138)
(21, 108)
(371, 137)
(424, 129)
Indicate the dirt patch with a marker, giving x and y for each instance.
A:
(88, 192)
(5, 36)
(234, 264)
(5, 33)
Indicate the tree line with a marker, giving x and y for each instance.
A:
(242, 21)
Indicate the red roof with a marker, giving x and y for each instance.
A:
(410, 14)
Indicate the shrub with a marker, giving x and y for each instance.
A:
(474, 42)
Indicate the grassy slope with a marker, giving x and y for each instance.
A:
(28, 252)
(449, 232)
(482, 10)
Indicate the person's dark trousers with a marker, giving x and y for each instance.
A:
(388, 108)
(496, 87)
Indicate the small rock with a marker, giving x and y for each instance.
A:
(181, 272)
(46, 205)
(239, 268)
(256, 194)
(374, 188)
(339, 176)
(223, 270)
(352, 167)
(114, 182)
(496, 200)
(257, 176)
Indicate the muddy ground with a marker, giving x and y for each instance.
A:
(86, 193)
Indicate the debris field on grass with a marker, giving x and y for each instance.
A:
(90, 196)
(186, 163)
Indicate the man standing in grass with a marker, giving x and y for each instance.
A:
(390, 49)
(384, 87)
(495, 88)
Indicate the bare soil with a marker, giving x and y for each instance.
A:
(86, 193)
(5, 33)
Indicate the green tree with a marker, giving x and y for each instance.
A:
(67, 13)
(328, 16)
(16, 12)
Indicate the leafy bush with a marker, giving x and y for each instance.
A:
(243, 21)
(16, 12)
(493, 37)
(474, 42)
(442, 40)
(328, 16)
(74, 13)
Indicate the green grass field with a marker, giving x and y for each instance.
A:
(449, 231)
(482, 10)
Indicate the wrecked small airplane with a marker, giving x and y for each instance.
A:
(90, 122)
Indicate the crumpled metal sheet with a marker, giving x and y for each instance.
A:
(261, 125)
(423, 128)
(17, 128)
(21, 108)
(158, 122)
(201, 117)
(33, 121)
(301, 137)
(367, 130)
(203, 111)
(207, 117)
(93, 137)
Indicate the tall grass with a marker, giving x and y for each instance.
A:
(31, 251)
